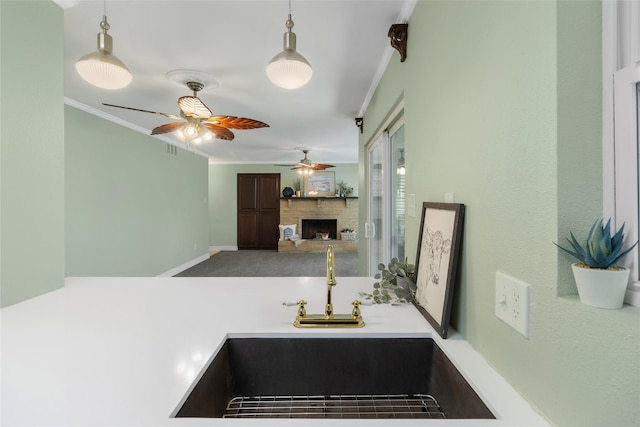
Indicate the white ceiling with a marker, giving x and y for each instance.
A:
(346, 43)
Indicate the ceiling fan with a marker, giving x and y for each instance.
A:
(197, 123)
(305, 166)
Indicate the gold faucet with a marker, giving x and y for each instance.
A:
(331, 281)
(329, 319)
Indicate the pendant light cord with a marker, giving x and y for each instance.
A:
(104, 24)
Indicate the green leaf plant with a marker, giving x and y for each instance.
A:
(395, 283)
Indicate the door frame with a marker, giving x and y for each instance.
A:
(396, 116)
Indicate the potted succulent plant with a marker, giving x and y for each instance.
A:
(396, 283)
(600, 281)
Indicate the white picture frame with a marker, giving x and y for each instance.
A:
(320, 184)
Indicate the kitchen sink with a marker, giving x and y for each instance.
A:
(332, 377)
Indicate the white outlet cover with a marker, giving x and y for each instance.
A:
(512, 301)
(411, 205)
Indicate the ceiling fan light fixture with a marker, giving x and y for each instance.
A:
(204, 135)
(289, 69)
(306, 166)
(193, 133)
(196, 121)
(305, 171)
(190, 130)
(102, 68)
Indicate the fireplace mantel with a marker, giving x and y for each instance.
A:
(318, 200)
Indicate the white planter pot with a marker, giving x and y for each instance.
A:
(601, 288)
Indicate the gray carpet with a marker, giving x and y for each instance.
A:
(267, 263)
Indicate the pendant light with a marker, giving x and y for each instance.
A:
(102, 68)
(289, 69)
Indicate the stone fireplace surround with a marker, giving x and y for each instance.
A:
(344, 211)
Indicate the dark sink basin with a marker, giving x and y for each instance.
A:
(331, 367)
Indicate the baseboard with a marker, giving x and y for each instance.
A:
(223, 248)
(184, 266)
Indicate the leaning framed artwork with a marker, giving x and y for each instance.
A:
(439, 247)
(321, 184)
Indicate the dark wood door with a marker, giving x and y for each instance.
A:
(258, 210)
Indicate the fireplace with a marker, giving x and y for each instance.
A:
(343, 213)
(312, 228)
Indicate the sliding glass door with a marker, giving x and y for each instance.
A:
(377, 204)
(384, 228)
(396, 176)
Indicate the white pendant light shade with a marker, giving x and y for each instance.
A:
(102, 68)
(289, 69)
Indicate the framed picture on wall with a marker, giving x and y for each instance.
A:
(437, 261)
(321, 184)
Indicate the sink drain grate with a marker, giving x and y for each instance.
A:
(341, 406)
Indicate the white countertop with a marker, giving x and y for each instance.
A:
(124, 351)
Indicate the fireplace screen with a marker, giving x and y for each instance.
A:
(318, 228)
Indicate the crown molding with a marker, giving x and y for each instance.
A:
(403, 18)
(66, 4)
(117, 120)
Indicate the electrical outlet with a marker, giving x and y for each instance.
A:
(512, 302)
(411, 205)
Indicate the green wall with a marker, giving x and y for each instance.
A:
(223, 189)
(503, 107)
(579, 126)
(31, 150)
(132, 209)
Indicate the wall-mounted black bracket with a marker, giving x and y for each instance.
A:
(399, 33)
(360, 123)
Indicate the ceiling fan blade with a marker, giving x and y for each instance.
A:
(315, 167)
(171, 116)
(191, 106)
(233, 122)
(167, 128)
(219, 132)
(321, 166)
(305, 163)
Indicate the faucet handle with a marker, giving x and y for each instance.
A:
(302, 312)
(355, 313)
(356, 307)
